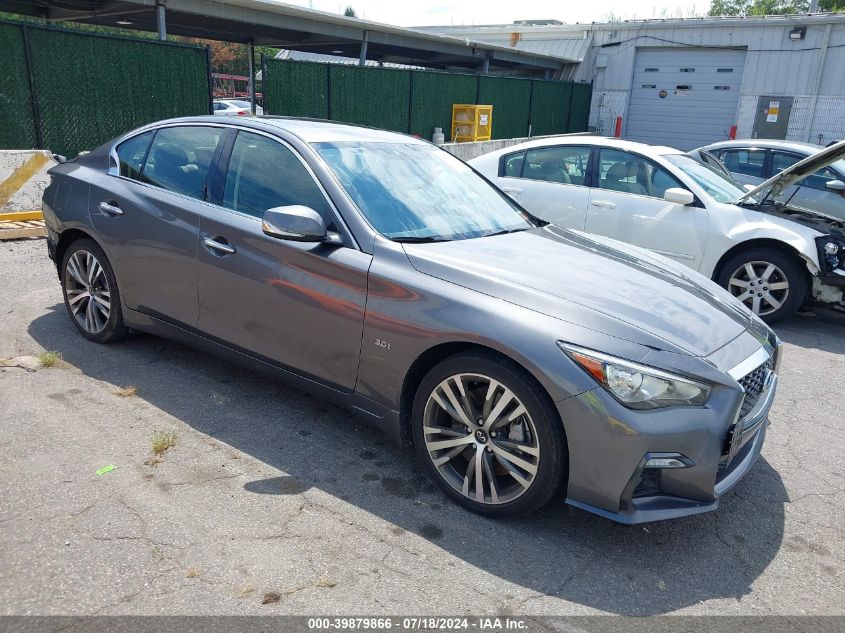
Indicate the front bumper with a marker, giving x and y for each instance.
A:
(610, 445)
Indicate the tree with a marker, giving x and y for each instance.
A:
(770, 7)
(349, 12)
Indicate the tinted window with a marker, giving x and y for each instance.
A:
(567, 165)
(513, 165)
(219, 106)
(180, 157)
(632, 173)
(131, 154)
(264, 174)
(744, 161)
(818, 180)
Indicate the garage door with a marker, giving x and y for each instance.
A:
(684, 98)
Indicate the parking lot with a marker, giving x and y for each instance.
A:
(272, 502)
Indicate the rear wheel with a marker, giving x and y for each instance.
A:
(487, 433)
(90, 292)
(770, 283)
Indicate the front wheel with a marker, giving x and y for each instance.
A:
(488, 435)
(770, 283)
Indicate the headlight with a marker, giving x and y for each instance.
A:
(637, 386)
(831, 248)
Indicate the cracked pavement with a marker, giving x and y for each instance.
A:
(271, 491)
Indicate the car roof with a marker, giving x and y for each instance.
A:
(309, 130)
(584, 139)
(796, 146)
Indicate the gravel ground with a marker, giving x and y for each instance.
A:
(274, 502)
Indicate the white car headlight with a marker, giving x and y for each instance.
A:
(638, 386)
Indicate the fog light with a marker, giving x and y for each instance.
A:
(668, 461)
(831, 248)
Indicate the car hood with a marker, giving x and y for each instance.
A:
(796, 172)
(595, 282)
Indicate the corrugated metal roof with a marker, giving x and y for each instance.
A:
(302, 56)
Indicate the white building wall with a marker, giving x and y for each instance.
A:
(775, 64)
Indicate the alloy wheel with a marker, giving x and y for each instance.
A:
(481, 438)
(762, 286)
(87, 291)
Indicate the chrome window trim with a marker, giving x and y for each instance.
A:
(114, 170)
(760, 357)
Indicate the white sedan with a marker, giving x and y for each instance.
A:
(771, 256)
(235, 107)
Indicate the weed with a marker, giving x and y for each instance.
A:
(49, 359)
(192, 572)
(162, 441)
(126, 392)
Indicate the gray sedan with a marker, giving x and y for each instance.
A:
(753, 161)
(522, 361)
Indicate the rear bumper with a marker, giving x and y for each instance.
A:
(610, 447)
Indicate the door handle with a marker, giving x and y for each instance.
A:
(603, 204)
(110, 209)
(512, 191)
(219, 247)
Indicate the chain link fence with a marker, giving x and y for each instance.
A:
(69, 91)
(417, 101)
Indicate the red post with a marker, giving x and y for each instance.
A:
(732, 133)
(617, 132)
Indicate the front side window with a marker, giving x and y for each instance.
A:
(562, 164)
(745, 161)
(817, 180)
(717, 185)
(131, 154)
(632, 173)
(418, 192)
(179, 159)
(264, 174)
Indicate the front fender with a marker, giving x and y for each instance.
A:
(754, 225)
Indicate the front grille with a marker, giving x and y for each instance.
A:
(753, 383)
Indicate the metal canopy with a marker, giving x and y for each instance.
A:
(264, 22)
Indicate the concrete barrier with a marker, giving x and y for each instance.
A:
(23, 178)
(467, 151)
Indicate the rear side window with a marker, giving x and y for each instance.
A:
(513, 165)
(745, 161)
(131, 154)
(562, 164)
(179, 159)
(263, 174)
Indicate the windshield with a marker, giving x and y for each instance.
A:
(417, 192)
(717, 185)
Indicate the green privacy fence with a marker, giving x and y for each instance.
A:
(68, 91)
(417, 101)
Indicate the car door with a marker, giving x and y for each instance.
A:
(747, 165)
(550, 182)
(146, 212)
(812, 192)
(627, 204)
(296, 304)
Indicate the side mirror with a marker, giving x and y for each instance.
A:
(835, 185)
(679, 196)
(295, 222)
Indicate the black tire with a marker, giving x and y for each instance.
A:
(788, 269)
(112, 328)
(541, 424)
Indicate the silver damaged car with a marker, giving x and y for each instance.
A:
(523, 362)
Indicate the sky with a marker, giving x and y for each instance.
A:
(468, 12)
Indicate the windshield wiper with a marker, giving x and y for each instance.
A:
(419, 239)
(503, 232)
